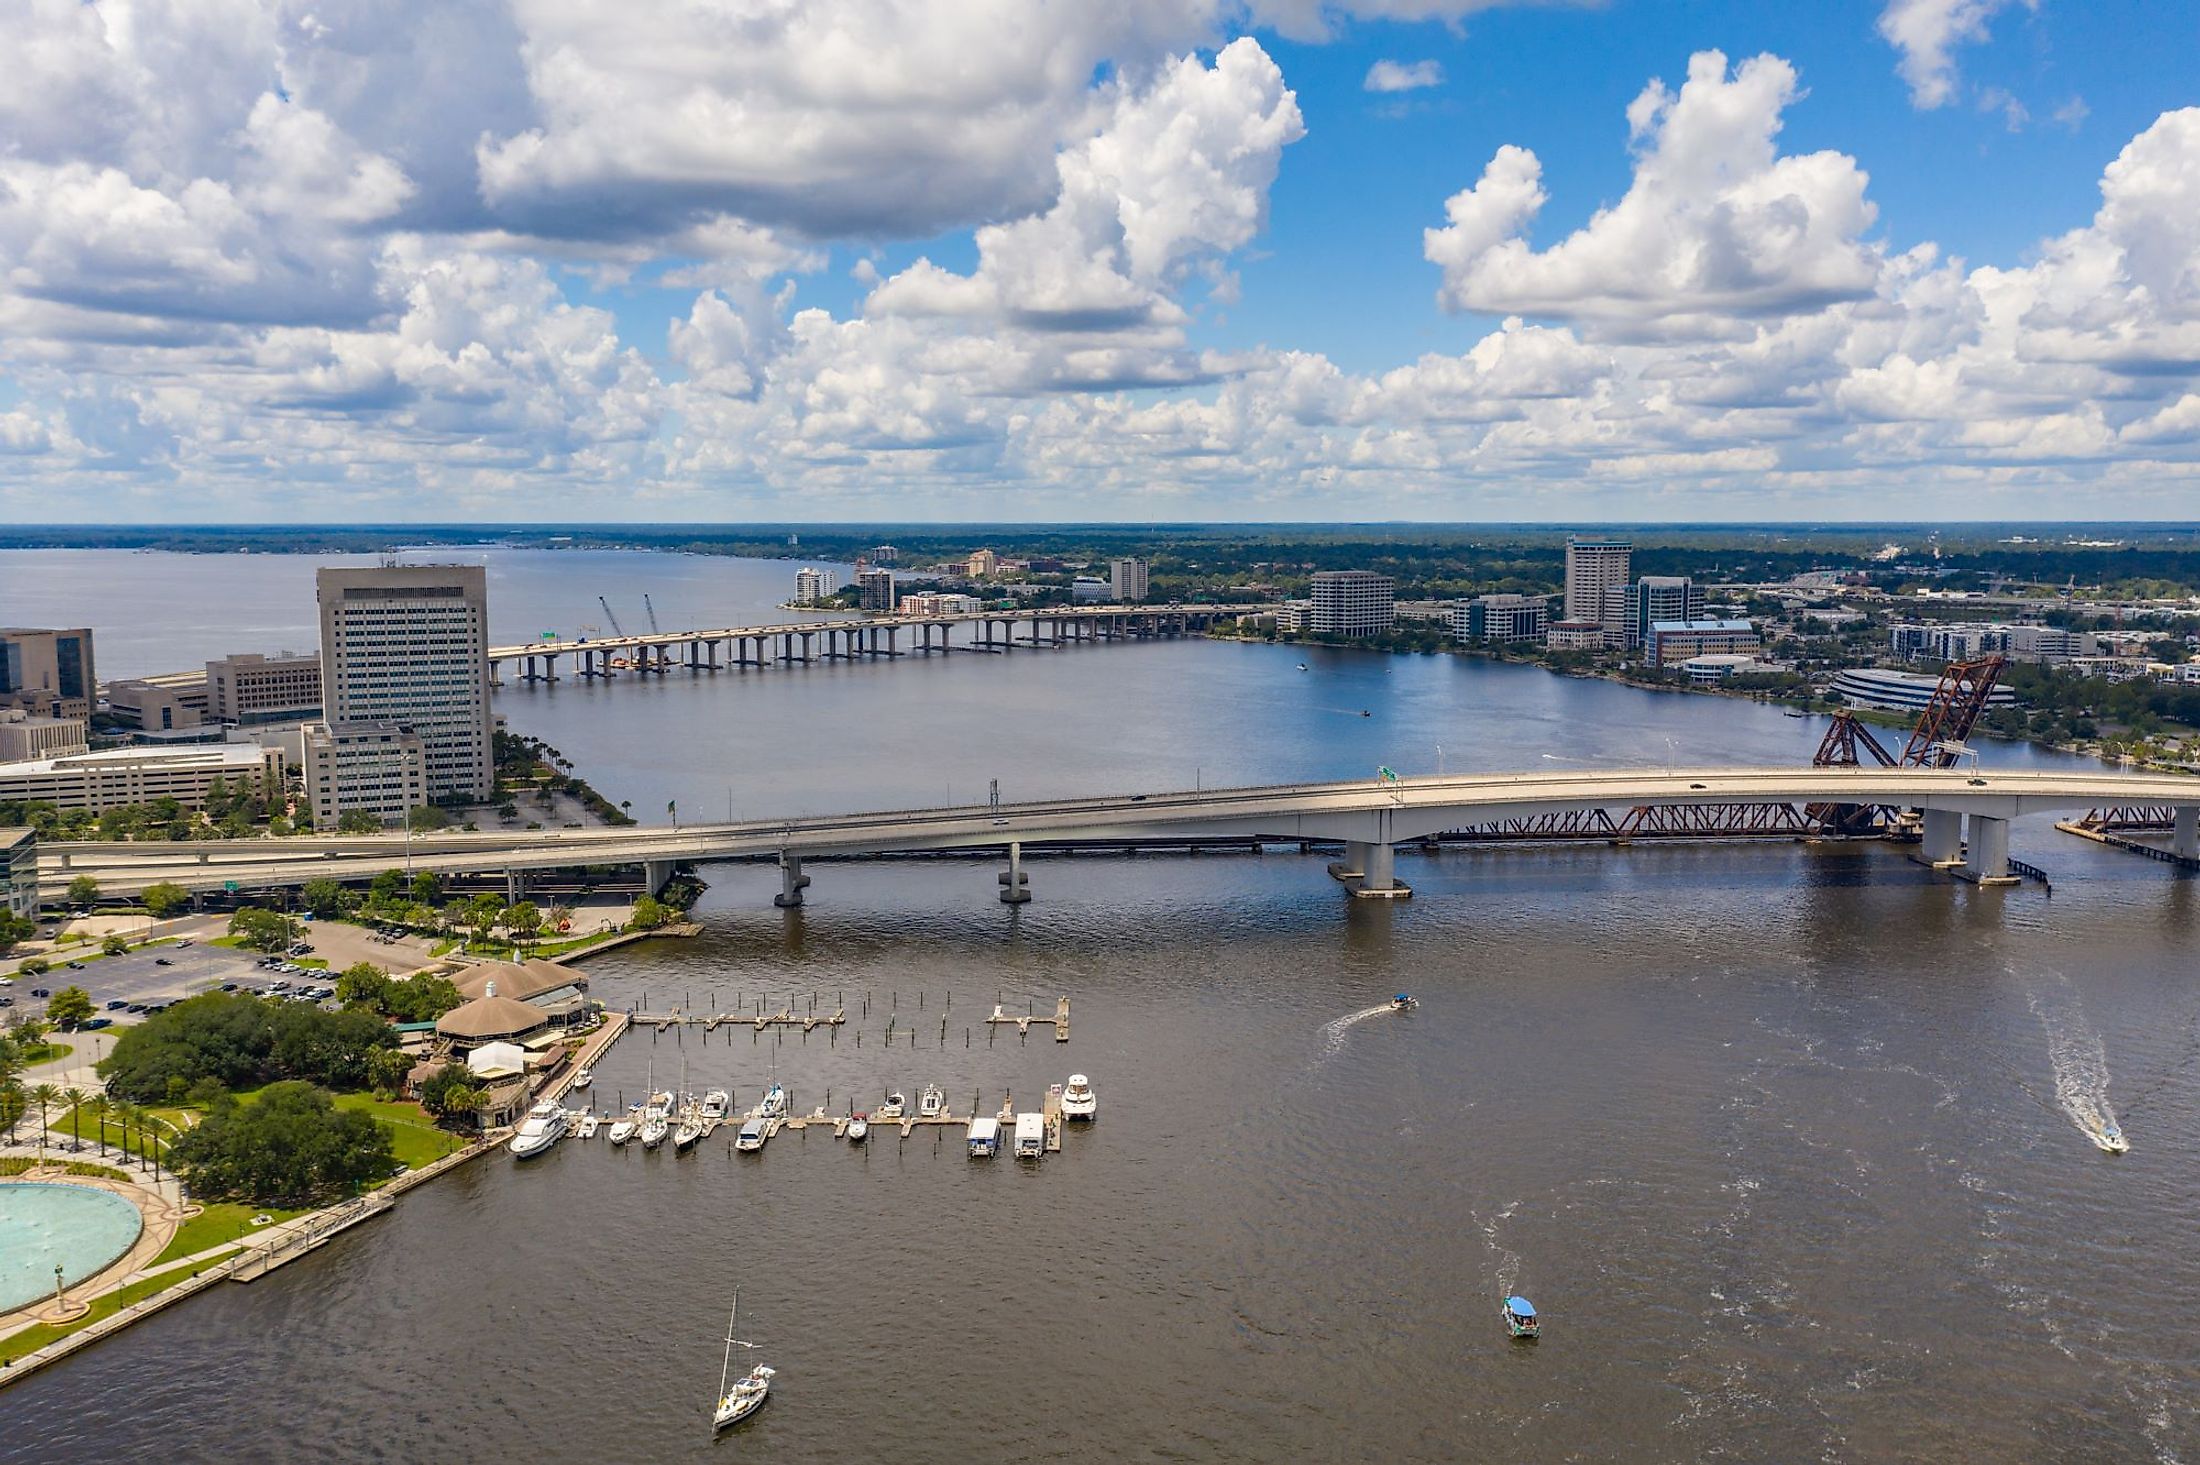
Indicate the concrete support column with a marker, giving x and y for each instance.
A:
(792, 882)
(515, 886)
(1943, 843)
(1015, 885)
(656, 875)
(1988, 862)
(2185, 830)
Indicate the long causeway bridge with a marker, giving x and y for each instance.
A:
(1961, 816)
(852, 638)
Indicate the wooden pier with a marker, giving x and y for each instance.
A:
(711, 1022)
(1023, 1024)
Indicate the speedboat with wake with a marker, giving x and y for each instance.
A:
(739, 1398)
(2111, 1139)
(1404, 1002)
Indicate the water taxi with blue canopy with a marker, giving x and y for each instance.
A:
(1520, 1318)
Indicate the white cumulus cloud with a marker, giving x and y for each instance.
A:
(1403, 76)
(1925, 33)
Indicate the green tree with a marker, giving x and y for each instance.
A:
(649, 914)
(426, 888)
(357, 821)
(84, 890)
(325, 898)
(386, 1071)
(44, 1096)
(524, 921)
(101, 1106)
(426, 819)
(69, 1007)
(449, 1094)
(240, 1041)
(263, 930)
(387, 888)
(15, 928)
(164, 898)
(114, 944)
(482, 913)
(291, 1147)
(361, 985)
(34, 966)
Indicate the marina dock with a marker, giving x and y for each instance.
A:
(712, 1021)
(1023, 1024)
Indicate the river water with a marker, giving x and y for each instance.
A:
(1783, 1141)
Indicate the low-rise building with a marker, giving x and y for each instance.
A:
(1672, 641)
(119, 776)
(380, 767)
(1899, 691)
(559, 993)
(1706, 671)
(1575, 635)
(23, 737)
(1502, 618)
(249, 688)
(169, 702)
(936, 603)
(490, 1018)
(1089, 590)
(1294, 616)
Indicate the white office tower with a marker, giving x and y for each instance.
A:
(1596, 583)
(408, 645)
(1351, 603)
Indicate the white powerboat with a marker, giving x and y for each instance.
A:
(739, 1398)
(859, 1127)
(654, 1129)
(687, 1134)
(585, 1126)
(893, 1106)
(716, 1105)
(624, 1130)
(583, 1079)
(1078, 1100)
(543, 1127)
(931, 1103)
(774, 1103)
(2111, 1139)
(754, 1131)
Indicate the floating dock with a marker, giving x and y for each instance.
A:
(1023, 1024)
(712, 1021)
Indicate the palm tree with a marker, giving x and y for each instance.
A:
(43, 1095)
(76, 1113)
(101, 1106)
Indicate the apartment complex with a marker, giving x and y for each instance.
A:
(1127, 579)
(380, 767)
(47, 673)
(932, 603)
(409, 645)
(1501, 618)
(1596, 583)
(983, 564)
(1351, 603)
(1972, 640)
(811, 586)
(875, 589)
(24, 737)
(250, 688)
(106, 780)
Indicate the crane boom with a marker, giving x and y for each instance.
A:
(616, 628)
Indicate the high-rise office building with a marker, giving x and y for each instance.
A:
(1656, 598)
(1351, 603)
(1127, 579)
(408, 645)
(1596, 583)
(47, 673)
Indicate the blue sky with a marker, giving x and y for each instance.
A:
(948, 258)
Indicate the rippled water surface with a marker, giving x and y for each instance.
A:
(1784, 1141)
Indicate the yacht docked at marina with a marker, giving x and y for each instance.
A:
(543, 1127)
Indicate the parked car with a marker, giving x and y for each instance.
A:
(40, 992)
(186, 941)
(93, 1024)
(7, 1002)
(162, 961)
(229, 986)
(74, 966)
(117, 1005)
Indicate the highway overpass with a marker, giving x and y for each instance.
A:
(1369, 816)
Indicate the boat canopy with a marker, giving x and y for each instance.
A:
(1403, 997)
(1520, 1307)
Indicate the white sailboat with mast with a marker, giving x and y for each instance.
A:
(739, 1398)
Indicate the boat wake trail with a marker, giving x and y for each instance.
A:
(2077, 1056)
(1505, 1260)
(1333, 1032)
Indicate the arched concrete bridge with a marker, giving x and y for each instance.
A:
(1370, 816)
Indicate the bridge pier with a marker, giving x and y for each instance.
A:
(515, 886)
(1988, 860)
(657, 874)
(2185, 830)
(1374, 863)
(792, 882)
(1015, 885)
(1943, 843)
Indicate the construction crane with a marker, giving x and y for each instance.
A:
(616, 628)
(654, 629)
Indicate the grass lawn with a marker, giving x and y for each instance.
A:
(221, 1221)
(413, 1136)
(31, 1339)
(87, 1128)
(45, 1052)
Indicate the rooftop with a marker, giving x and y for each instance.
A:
(246, 756)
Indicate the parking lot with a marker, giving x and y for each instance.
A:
(138, 977)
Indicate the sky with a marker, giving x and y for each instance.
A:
(1144, 260)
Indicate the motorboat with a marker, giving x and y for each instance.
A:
(1078, 1100)
(717, 1104)
(893, 1106)
(583, 1078)
(543, 1127)
(684, 1138)
(754, 1131)
(654, 1129)
(1520, 1318)
(984, 1138)
(931, 1103)
(2111, 1138)
(1404, 1002)
(774, 1103)
(859, 1127)
(585, 1126)
(739, 1398)
(1302, 666)
(624, 1130)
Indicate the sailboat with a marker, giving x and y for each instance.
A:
(739, 1398)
